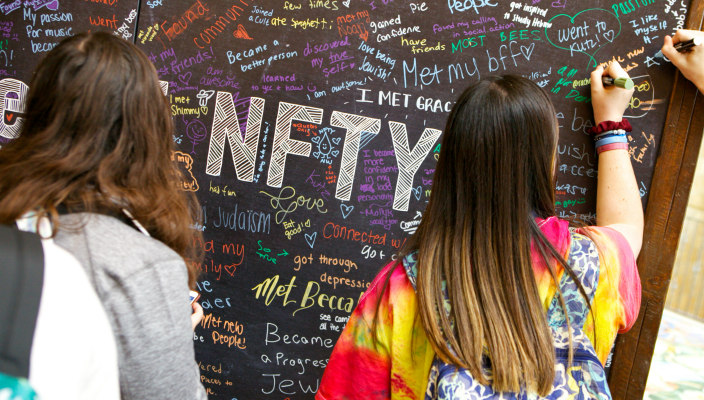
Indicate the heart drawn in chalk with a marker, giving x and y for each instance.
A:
(310, 239)
(527, 51)
(346, 210)
(336, 140)
(586, 32)
(417, 192)
(241, 33)
(9, 116)
(346, 3)
(230, 269)
(184, 78)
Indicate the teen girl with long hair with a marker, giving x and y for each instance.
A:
(94, 158)
(495, 297)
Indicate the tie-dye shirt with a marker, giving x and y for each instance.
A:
(396, 365)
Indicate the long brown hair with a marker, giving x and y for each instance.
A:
(493, 177)
(97, 136)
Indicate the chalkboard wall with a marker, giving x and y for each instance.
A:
(309, 131)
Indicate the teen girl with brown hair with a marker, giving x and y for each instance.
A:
(94, 158)
(495, 297)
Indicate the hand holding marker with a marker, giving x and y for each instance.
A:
(683, 46)
(627, 83)
(686, 51)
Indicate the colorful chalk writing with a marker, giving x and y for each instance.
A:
(309, 130)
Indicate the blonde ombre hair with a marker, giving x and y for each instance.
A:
(495, 175)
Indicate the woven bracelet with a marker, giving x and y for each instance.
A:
(612, 146)
(613, 139)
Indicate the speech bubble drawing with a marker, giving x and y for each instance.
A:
(586, 32)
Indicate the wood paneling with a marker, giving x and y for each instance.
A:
(672, 180)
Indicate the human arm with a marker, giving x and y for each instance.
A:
(690, 62)
(150, 314)
(618, 204)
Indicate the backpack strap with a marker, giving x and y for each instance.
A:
(22, 271)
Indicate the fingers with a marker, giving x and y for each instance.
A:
(197, 309)
(683, 35)
(668, 47)
(613, 70)
(596, 78)
(669, 50)
(616, 71)
(609, 102)
(197, 315)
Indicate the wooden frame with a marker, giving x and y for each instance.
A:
(672, 181)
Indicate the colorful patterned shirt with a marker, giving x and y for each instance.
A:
(392, 359)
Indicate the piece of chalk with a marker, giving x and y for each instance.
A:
(626, 83)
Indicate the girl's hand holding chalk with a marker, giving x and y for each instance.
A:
(689, 58)
(610, 101)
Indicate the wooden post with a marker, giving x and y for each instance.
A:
(667, 203)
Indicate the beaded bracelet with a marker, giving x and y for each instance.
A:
(612, 146)
(617, 132)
